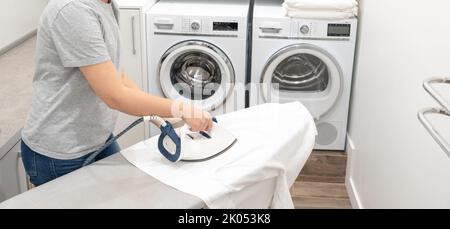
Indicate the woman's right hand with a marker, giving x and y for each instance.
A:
(196, 118)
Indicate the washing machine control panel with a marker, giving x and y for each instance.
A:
(191, 25)
(210, 26)
(198, 25)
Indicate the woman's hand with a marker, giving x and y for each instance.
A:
(196, 118)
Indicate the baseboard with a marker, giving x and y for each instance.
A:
(354, 196)
(17, 42)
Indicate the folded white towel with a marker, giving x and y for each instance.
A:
(340, 5)
(320, 14)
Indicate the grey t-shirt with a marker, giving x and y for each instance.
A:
(67, 119)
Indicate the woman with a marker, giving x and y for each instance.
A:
(77, 88)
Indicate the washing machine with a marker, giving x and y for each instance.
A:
(304, 60)
(197, 52)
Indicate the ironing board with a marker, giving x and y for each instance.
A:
(116, 183)
(109, 183)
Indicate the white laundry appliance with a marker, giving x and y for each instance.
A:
(197, 52)
(304, 60)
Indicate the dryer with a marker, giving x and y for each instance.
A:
(304, 60)
(197, 52)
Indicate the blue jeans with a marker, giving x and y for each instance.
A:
(42, 169)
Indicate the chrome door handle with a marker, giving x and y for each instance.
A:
(19, 157)
(133, 36)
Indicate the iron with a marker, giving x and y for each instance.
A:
(181, 144)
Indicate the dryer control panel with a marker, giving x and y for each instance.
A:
(306, 29)
(313, 29)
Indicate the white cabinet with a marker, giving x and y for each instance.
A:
(133, 57)
(13, 179)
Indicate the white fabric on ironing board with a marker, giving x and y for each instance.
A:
(274, 142)
(336, 5)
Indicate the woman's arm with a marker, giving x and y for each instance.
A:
(128, 82)
(117, 93)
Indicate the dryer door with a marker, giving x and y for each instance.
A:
(197, 71)
(304, 73)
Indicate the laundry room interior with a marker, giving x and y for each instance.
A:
(225, 104)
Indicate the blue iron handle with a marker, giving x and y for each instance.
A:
(167, 130)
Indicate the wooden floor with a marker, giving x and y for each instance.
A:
(321, 184)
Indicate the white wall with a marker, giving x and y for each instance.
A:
(18, 18)
(395, 163)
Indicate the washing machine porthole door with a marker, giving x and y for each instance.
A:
(195, 75)
(198, 72)
(303, 73)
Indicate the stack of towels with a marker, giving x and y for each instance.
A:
(321, 9)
